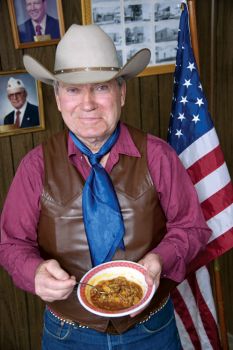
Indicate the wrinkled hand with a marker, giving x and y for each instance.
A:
(153, 264)
(52, 282)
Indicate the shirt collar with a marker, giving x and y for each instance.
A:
(22, 109)
(124, 145)
(42, 24)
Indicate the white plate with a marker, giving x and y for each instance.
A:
(130, 270)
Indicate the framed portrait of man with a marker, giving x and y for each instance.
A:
(21, 103)
(36, 22)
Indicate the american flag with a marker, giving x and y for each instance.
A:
(192, 134)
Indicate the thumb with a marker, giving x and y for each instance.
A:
(54, 268)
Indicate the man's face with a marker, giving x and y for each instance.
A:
(36, 9)
(91, 111)
(18, 99)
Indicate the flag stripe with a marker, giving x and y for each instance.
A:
(185, 339)
(183, 311)
(198, 149)
(206, 165)
(208, 319)
(215, 249)
(212, 183)
(221, 222)
(218, 201)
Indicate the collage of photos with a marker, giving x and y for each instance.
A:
(136, 24)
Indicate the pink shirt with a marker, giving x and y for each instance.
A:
(187, 232)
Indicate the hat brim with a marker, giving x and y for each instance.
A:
(132, 68)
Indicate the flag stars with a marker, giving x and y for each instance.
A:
(199, 102)
(178, 133)
(195, 118)
(183, 100)
(200, 86)
(191, 66)
(181, 116)
(187, 83)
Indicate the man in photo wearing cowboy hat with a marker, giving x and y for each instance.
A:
(25, 114)
(97, 192)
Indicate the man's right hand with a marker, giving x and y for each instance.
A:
(52, 282)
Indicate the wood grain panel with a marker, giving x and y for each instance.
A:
(165, 101)
(6, 167)
(149, 92)
(223, 112)
(131, 111)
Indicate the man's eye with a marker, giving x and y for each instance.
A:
(102, 87)
(72, 90)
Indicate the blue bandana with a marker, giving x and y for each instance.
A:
(102, 216)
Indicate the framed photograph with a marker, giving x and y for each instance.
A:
(21, 103)
(137, 24)
(36, 22)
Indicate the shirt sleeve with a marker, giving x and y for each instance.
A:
(19, 252)
(187, 232)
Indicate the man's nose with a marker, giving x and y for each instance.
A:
(88, 100)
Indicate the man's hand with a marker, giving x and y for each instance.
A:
(52, 282)
(153, 264)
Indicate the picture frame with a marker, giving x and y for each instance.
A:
(24, 22)
(138, 24)
(20, 91)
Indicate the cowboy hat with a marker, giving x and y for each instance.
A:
(86, 54)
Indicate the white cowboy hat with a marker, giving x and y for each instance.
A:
(86, 54)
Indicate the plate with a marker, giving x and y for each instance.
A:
(132, 271)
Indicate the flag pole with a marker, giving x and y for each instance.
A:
(217, 274)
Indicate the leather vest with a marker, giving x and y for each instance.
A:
(61, 233)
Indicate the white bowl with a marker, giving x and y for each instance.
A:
(132, 271)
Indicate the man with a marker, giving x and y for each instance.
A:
(75, 213)
(39, 23)
(25, 114)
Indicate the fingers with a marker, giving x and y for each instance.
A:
(56, 271)
(153, 264)
(52, 282)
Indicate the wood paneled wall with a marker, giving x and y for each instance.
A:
(148, 107)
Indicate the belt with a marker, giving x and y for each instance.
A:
(110, 328)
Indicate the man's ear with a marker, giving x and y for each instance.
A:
(123, 93)
(58, 101)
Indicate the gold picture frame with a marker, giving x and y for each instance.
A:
(13, 85)
(153, 24)
(23, 28)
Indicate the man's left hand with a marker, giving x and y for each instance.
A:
(153, 264)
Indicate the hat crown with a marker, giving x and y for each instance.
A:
(85, 46)
(14, 85)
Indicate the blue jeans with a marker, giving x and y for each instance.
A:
(158, 333)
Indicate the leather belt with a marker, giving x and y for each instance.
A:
(110, 328)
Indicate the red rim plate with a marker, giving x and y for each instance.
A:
(150, 290)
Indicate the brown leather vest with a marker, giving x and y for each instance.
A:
(61, 233)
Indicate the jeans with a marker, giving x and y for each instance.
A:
(158, 333)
